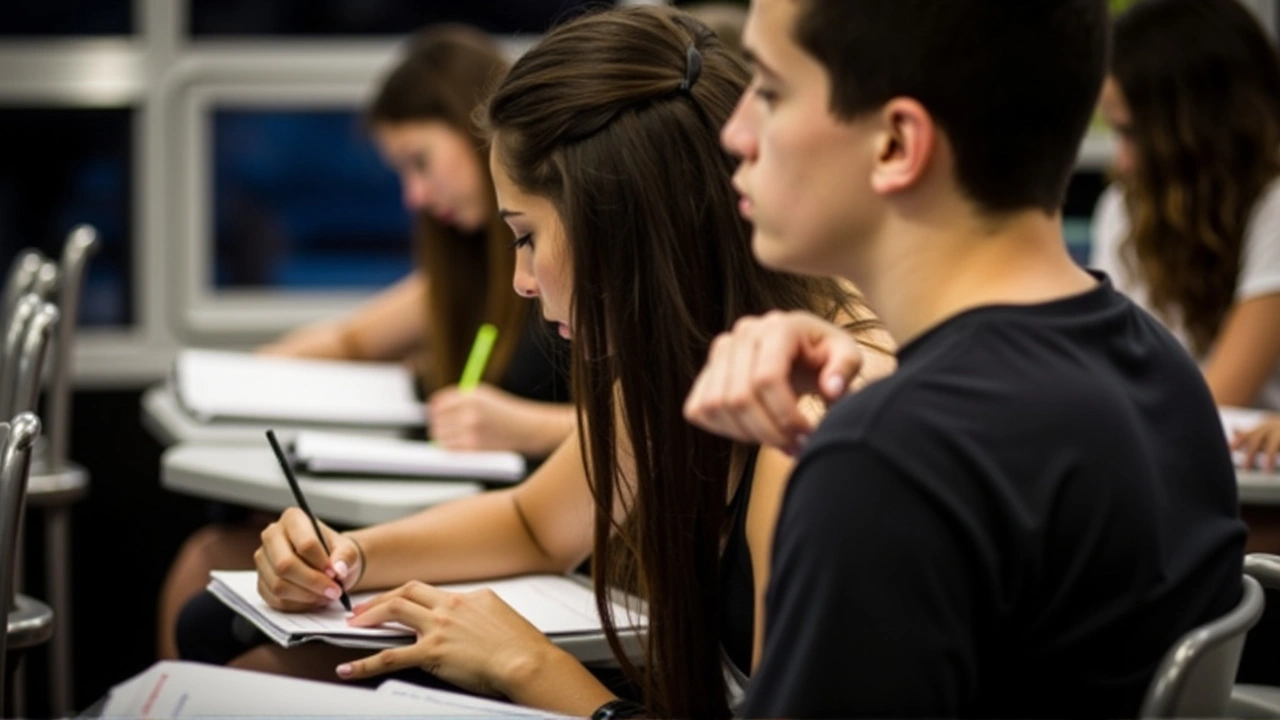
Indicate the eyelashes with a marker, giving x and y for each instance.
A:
(525, 240)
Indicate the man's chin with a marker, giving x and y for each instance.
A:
(788, 255)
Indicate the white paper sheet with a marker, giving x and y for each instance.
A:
(325, 452)
(176, 689)
(215, 385)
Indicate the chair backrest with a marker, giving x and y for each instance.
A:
(31, 361)
(15, 470)
(1264, 568)
(46, 280)
(11, 352)
(22, 275)
(1196, 675)
(81, 243)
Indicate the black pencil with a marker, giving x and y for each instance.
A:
(302, 503)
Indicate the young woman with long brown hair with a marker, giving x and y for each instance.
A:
(422, 120)
(607, 165)
(1191, 229)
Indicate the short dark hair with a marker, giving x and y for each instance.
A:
(1012, 84)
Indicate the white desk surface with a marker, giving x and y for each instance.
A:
(165, 418)
(249, 475)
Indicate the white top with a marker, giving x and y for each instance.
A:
(1259, 264)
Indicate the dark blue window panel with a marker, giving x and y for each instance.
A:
(64, 167)
(302, 201)
(52, 18)
(375, 17)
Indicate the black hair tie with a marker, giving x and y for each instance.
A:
(692, 68)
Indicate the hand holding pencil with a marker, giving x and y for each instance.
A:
(474, 415)
(303, 564)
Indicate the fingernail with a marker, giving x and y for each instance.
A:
(341, 568)
(344, 670)
(332, 593)
(834, 385)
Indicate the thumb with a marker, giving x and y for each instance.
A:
(344, 557)
(839, 363)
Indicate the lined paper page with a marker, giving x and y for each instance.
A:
(554, 604)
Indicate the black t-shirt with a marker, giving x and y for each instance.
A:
(1019, 522)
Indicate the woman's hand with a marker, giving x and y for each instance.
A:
(751, 385)
(473, 640)
(1262, 440)
(294, 572)
(484, 418)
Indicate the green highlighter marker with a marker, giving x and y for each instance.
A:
(486, 336)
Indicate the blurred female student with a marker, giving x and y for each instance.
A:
(422, 120)
(609, 170)
(1191, 229)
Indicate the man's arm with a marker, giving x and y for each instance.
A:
(876, 595)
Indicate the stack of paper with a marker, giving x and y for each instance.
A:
(322, 452)
(561, 606)
(173, 689)
(214, 385)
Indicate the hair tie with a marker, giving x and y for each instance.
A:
(692, 68)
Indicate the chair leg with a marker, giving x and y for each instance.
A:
(57, 567)
(15, 705)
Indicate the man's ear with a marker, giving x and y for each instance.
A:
(905, 146)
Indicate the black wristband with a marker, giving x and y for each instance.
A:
(618, 708)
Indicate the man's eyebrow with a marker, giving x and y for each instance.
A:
(754, 61)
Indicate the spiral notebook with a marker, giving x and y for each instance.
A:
(321, 453)
(216, 385)
(561, 606)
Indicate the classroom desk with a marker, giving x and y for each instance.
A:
(249, 475)
(165, 418)
(1258, 488)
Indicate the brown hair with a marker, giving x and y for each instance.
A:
(594, 119)
(1012, 84)
(445, 76)
(1202, 82)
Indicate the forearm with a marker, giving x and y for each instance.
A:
(542, 427)
(470, 539)
(553, 680)
(322, 340)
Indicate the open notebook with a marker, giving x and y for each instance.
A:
(561, 606)
(321, 453)
(216, 385)
(174, 689)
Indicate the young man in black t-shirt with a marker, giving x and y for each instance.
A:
(1025, 517)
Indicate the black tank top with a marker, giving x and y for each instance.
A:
(539, 367)
(737, 582)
